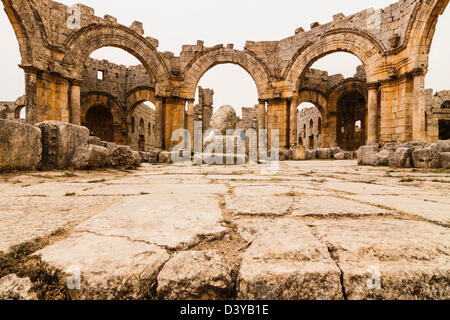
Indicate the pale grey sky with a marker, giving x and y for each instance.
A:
(178, 22)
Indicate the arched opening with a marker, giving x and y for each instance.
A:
(351, 109)
(227, 85)
(12, 83)
(444, 129)
(119, 75)
(142, 139)
(99, 121)
(308, 115)
(445, 105)
(331, 77)
(20, 113)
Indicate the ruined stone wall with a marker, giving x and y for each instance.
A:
(437, 115)
(10, 110)
(309, 136)
(142, 137)
(320, 80)
(249, 119)
(393, 44)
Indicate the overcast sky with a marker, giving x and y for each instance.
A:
(178, 22)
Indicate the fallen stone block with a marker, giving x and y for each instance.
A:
(311, 154)
(137, 159)
(14, 288)
(59, 142)
(414, 145)
(95, 141)
(20, 146)
(154, 156)
(340, 156)
(195, 275)
(123, 157)
(145, 156)
(367, 155)
(383, 157)
(426, 158)
(443, 146)
(284, 155)
(165, 157)
(109, 145)
(401, 158)
(324, 153)
(299, 153)
(335, 151)
(445, 160)
(90, 156)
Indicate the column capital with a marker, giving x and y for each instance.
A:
(373, 85)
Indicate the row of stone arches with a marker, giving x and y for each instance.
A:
(175, 85)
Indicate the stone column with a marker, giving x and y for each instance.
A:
(31, 107)
(262, 115)
(75, 104)
(277, 119)
(372, 107)
(293, 125)
(159, 122)
(190, 126)
(418, 133)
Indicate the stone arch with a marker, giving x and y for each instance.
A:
(422, 30)
(138, 96)
(317, 98)
(212, 57)
(28, 27)
(82, 43)
(95, 99)
(358, 43)
(338, 91)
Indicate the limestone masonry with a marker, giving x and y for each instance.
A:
(386, 97)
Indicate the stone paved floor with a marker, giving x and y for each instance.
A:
(312, 230)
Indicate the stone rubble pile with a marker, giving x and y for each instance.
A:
(55, 145)
(415, 154)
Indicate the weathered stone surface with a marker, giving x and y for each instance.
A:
(324, 153)
(414, 145)
(20, 146)
(383, 157)
(137, 159)
(224, 119)
(340, 156)
(382, 259)
(174, 221)
(258, 201)
(443, 146)
(283, 155)
(401, 158)
(367, 155)
(95, 141)
(110, 267)
(335, 151)
(194, 275)
(90, 156)
(426, 158)
(285, 262)
(59, 142)
(299, 153)
(329, 206)
(108, 145)
(165, 157)
(444, 159)
(311, 154)
(123, 157)
(14, 288)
